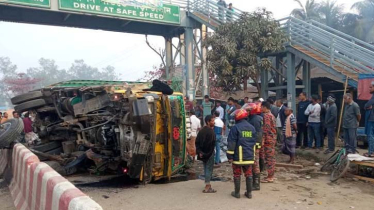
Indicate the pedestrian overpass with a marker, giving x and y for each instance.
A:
(316, 44)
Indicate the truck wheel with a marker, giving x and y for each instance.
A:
(30, 105)
(10, 131)
(27, 97)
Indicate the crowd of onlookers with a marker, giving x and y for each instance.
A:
(266, 124)
(29, 136)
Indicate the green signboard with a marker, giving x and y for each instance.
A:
(34, 3)
(165, 14)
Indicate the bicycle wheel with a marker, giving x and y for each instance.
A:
(340, 169)
(327, 166)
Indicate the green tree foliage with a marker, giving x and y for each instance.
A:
(365, 21)
(7, 71)
(48, 72)
(309, 11)
(235, 49)
(82, 71)
(331, 13)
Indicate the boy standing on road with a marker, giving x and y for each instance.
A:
(240, 151)
(351, 119)
(205, 144)
(331, 121)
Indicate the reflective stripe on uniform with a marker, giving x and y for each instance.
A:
(240, 154)
(249, 162)
(230, 152)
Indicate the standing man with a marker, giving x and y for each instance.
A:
(244, 101)
(207, 106)
(351, 120)
(240, 151)
(230, 108)
(256, 120)
(205, 144)
(15, 115)
(314, 123)
(195, 127)
(5, 117)
(280, 120)
(290, 132)
(302, 120)
(269, 140)
(370, 106)
(220, 110)
(188, 105)
(230, 12)
(218, 130)
(221, 9)
(323, 132)
(331, 120)
(273, 109)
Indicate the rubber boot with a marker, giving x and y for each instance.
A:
(249, 183)
(256, 182)
(236, 193)
(262, 164)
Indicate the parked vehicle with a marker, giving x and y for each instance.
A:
(119, 126)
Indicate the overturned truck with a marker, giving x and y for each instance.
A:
(108, 126)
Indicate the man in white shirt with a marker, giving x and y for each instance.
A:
(218, 130)
(280, 120)
(314, 123)
(195, 127)
(220, 109)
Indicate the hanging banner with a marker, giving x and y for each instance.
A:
(32, 3)
(364, 82)
(164, 14)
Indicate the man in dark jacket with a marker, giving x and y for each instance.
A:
(370, 105)
(280, 120)
(331, 120)
(273, 109)
(241, 142)
(205, 144)
(256, 120)
(302, 120)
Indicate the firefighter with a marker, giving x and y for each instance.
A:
(241, 142)
(255, 119)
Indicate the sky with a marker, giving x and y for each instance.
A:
(25, 44)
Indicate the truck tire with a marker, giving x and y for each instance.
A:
(27, 97)
(10, 131)
(30, 105)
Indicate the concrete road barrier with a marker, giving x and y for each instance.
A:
(3, 160)
(36, 186)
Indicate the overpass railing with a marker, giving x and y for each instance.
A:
(212, 11)
(340, 49)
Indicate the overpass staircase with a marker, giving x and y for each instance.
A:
(333, 51)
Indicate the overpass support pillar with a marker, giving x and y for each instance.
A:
(183, 63)
(169, 56)
(190, 67)
(264, 83)
(306, 78)
(278, 78)
(291, 81)
(204, 30)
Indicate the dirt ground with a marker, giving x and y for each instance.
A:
(305, 188)
(5, 197)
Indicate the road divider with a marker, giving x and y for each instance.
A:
(36, 186)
